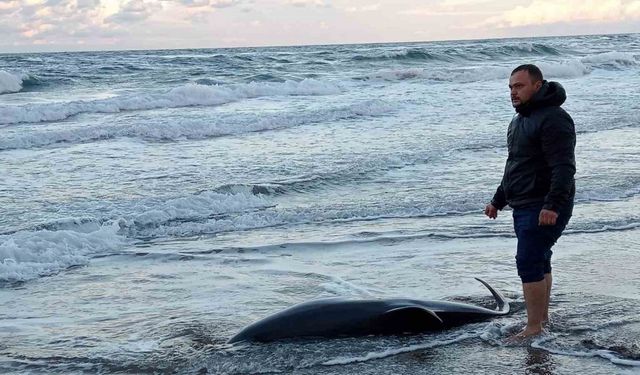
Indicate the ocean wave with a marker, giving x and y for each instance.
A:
(192, 129)
(410, 54)
(28, 255)
(565, 69)
(571, 68)
(480, 52)
(466, 53)
(49, 248)
(183, 96)
(275, 216)
(521, 49)
(611, 59)
(52, 247)
(11, 83)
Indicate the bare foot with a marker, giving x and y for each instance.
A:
(526, 334)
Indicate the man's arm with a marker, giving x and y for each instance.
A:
(558, 147)
(497, 203)
(499, 200)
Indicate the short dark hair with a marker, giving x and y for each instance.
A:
(534, 71)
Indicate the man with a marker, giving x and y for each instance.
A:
(538, 183)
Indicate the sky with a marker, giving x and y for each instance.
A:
(70, 25)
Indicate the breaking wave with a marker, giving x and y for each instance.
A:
(568, 69)
(464, 53)
(184, 96)
(10, 83)
(572, 68)
(410, 54)
(51, 247)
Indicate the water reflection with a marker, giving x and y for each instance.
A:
(539, 362)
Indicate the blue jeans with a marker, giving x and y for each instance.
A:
(533, 257)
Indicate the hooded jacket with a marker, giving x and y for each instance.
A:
(541, 164)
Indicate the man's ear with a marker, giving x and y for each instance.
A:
(538, 85)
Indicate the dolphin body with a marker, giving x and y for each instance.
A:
(340, 317)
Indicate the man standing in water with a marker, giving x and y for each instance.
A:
(538, 183)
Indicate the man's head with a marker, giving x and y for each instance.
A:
(524, 82)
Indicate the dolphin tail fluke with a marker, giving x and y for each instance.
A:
(503, 304)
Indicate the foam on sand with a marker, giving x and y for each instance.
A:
(605, 354)
(395, 351)
(183, 96)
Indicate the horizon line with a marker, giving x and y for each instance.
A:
(321, 45)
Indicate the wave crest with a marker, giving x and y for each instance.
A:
(10, 83)
(183, 96)
(565, 69)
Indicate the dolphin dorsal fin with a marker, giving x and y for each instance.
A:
(503, 307)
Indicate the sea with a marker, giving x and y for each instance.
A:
(153, 203)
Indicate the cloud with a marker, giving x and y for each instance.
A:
(304, 3)
(210, 3)
(364, 8)
(50, 21)
(541, 12)
(455, 8)
(442, 12)
(134, 11)
(458, 3)
(8, 6)
(194, 3)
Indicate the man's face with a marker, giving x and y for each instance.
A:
(522, 87)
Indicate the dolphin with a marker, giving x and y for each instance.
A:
(340, 317)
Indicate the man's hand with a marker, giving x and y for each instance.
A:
(547, 217)
(491, 211)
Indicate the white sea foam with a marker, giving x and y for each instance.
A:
(183, 96)
(605, 354)
(566, 69)
(10, 82)
(26, 255)
(200, 206)
(190, 129)
(615, 58)
(563, 69)
(395, 351)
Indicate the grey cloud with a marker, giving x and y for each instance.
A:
(224, 3)
(133, 11)
(7, 28)
(304, 3)
(194, 3)
(53, 3)
(88, 4)
(211, 3)
(69, 20)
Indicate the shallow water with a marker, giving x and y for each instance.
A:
(156, 202)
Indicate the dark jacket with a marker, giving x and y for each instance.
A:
(541, 164)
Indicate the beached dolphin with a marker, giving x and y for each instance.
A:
(340, 317)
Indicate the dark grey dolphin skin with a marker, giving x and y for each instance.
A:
(339, 317)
